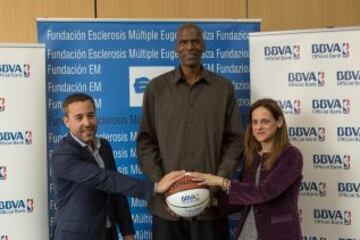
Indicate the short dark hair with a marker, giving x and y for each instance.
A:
(76, 97)
(190, 25)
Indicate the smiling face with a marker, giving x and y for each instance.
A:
(190, 46)
(81, 120)
(264, 126)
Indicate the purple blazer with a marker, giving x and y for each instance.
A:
(275, 198)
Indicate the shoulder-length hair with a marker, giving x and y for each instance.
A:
(281, 140)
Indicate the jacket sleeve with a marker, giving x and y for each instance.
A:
(147, 148)
(233, 139)
(119, 201)
(123, 215)
(287, 170)
(69, 163)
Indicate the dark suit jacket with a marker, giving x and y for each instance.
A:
(275, 198)
(85, 193)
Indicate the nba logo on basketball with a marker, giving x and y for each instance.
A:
(30, 205)
(190, 198)
(28, 137)
(3, 173)
(2, 104)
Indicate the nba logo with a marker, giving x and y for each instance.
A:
(346, 50)
(346, 106)
(4, 237)
(297, 106)
(321, 134)
(321, 79)
(322, 189)
(29, 205)
(27, 70)
(2, 104)
(346, 161)
(296, 51)
(28, 137)
(3, 173)
(347, 218)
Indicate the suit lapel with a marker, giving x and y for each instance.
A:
(103, 153)
(84, 152)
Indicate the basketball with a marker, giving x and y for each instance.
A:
(186, 198)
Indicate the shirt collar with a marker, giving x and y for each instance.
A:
(83, 144)
(177, 78)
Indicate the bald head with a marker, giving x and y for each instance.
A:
(188, 26)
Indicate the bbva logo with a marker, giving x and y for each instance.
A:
(318, 188)
(333, 215)
(286, 50)
(348, 187)
(332, 159)
(190, 198)
(19, 69)
(348, 131)
(347, 75)
(334, 48)
(310, 76)
(312, 132)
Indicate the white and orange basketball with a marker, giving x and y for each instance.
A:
(186, 198)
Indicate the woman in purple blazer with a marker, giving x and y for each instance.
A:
(271, 179)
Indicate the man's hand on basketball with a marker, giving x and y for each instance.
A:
(166, 181)
(129, 237)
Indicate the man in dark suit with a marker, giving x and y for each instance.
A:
(90, 193)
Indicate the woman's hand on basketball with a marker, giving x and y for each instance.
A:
(169, 179)
(207, 179)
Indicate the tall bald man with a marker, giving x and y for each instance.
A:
(190, 121)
